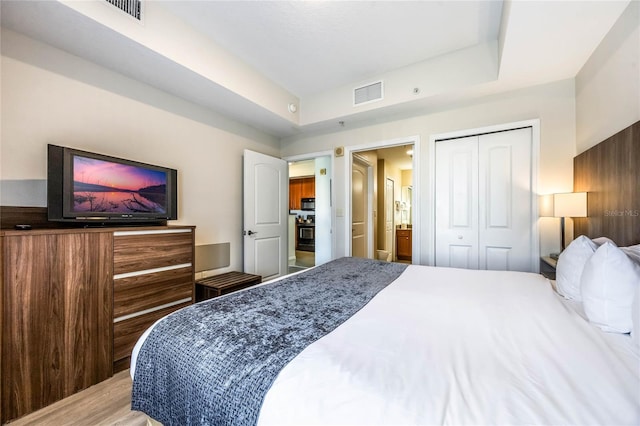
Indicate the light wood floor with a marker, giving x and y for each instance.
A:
(106, 404)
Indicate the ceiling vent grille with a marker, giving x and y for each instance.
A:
(369, 93)
(130, 7)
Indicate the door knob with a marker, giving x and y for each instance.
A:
(250, 232)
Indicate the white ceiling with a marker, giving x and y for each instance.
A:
(311, 49)
(311, 46)
(397, 156)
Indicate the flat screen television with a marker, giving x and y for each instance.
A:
(87, 187)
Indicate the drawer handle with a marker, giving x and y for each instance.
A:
(150, 310)
(151, 271)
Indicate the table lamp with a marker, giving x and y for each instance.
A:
(570, 204)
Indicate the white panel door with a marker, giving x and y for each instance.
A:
(505, 222)
(483, 201)
(359, 225)
(266, 203)
(389, 212)
(457, 203)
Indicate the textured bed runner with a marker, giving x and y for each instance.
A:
(213, 363)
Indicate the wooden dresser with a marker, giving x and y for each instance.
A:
(74, 301)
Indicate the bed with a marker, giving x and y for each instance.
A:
(431, 346)
(359, 341)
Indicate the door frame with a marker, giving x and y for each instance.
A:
(392, 249)
(369, 212)
(332, 201)
(535, 160)
(388, 143)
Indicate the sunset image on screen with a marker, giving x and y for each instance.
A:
(112, 187)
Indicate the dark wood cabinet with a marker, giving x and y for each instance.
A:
(403, 244)
(56, 320)
(74, 301)
(299, 188)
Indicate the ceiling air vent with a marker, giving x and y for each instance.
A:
(369, 93)
(130, 7)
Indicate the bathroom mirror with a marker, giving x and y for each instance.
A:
(406, 196)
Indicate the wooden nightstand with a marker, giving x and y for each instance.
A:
(548, 267)
(229, 282)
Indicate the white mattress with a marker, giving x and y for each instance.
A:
(452, 346)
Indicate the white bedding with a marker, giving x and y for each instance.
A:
(453, 346)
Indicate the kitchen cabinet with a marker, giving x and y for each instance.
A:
(301, 187)
(295, 194)
(403, 244)
(308, 187)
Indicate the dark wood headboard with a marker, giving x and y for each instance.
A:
(610, 174)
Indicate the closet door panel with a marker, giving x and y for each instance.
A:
(461, 256)
(498, 188)
(505, 219)
(462, 190)
(456, 203)
(497, 258)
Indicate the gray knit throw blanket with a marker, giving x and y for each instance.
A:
(213, 362)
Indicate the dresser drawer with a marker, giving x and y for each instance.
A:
(142, 292)
(127, 332)
(138, 251)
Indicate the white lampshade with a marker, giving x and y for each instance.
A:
(545, 205)
(570, 204)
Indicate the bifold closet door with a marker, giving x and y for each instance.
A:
(457, 203)
(483, 201)
(505, 216)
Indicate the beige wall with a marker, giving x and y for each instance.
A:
(49, 96)
(552, 103)
(608, 86)
(58, 98)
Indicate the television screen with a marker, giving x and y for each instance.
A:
(113, 187)
(88, 187)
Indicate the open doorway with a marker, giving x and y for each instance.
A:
(309, 226)
(389, 203)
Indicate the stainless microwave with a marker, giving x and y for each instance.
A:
(308, 204)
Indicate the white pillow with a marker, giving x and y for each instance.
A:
(633, 252)
(570, 265)
(635, 320)
(601, 240)
(608, 284)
